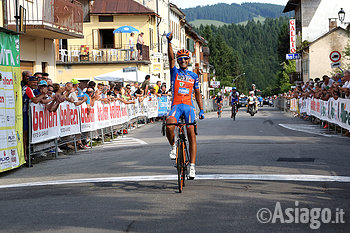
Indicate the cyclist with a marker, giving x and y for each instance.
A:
(219, 101)
(234, 99)
(183, 84)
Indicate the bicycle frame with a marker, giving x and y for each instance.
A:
(183, 160)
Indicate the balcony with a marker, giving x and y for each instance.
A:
(54, 19)
(89, 54)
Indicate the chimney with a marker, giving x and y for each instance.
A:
(332, 23)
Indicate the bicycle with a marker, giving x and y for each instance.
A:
(234, 110)
(219, 110)
(182, 155)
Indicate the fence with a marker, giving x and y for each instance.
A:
(333, 111)
(49, 130)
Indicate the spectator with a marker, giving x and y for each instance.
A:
(145, 85)
(45, 76)
(327, 82)
(157, 86)
(76, 86)
(39, 75)
(139, 45)
(25, 76)
(131, 45)
(117, 95)
(163, 91)
(28, 96)
(49, 81)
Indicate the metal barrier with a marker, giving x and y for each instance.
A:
(331, 114)
(52, 145)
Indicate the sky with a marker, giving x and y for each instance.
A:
(194, 3)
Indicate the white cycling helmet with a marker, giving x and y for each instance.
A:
(219, 94)
(251, 92)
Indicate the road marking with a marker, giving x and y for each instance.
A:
(311, 129)
(262, 177)
(125, 141)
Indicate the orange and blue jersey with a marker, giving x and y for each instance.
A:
(183, 84)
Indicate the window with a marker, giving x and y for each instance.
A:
(151, 38)
(105, 18)
(106, 38)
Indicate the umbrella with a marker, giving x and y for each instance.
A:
(125, 29)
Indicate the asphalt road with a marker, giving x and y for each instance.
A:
(130, 186)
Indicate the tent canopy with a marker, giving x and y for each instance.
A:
(124, 75)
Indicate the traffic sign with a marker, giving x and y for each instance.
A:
(335, 64)
(293, 56)
(335, 56)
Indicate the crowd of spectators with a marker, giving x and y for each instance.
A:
(39, 88)
(336, 86)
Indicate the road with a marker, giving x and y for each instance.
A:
(130, 186)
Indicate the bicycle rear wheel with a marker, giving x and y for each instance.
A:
(180, 166)
(234, 112)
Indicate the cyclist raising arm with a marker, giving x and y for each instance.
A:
(183, 84)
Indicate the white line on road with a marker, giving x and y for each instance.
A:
(262, 177)
(311, 129)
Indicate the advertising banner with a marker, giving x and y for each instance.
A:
(333, 111)
(69, 119)
(88, 118)
(45, 124)
(11, 123)
(164, 106)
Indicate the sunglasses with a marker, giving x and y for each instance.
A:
(183, 58)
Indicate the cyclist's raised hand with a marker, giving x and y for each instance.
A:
(169, 36)
(201, 114)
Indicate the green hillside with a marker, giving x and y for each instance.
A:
(256, 19)
(199, 22)
(234, 13)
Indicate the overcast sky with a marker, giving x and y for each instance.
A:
(187, 3)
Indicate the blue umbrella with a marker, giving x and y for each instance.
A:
(125, 29)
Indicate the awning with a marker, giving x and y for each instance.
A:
(125, 75)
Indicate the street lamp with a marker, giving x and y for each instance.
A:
(341, 15)
(234, 80)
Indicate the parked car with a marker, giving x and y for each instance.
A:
(243, 101)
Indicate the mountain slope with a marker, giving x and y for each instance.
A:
(234, 13)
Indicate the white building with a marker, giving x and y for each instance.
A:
(319, 33)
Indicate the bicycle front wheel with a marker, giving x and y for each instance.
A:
(180, 166)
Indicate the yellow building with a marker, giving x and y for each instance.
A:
(101, 50)
(44, 21)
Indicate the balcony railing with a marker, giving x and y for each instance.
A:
(66, 15)
(89, 54)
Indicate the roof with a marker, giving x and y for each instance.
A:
(120, 7)
(291, 5)
(194, 34)
(326, 34)
(177, 10)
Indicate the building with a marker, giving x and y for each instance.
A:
(173, 19)
(44, 21)
(317, 53)
(101, 50)
(319, 32)
(200, 58)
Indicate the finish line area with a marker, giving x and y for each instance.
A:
(259, 177)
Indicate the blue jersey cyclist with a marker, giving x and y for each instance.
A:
(234, 100)
(183, 84)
